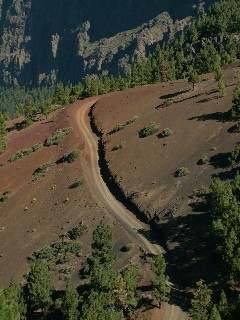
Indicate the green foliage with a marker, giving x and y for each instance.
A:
(18, 294)
(235, 156)
(43, 169)
(21, 154)
(235, 108)
(223, 305)
(193, 77)
(225, 227)
(63, 250)
(39, 286)
(57, 137)
(70, 304)
(71, 156)
(168, 102)
(128, 247)
(9, 309)
(148, 130)
(5, 196)
(182, 172)
(166, 133)
(79, 182)
(221, 89)
(3, 132)
(123, 125)
(201, 302)
(118, 146)
(159, 282)
(204, 160)
(215, 314)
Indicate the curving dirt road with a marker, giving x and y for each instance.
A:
(126, 218)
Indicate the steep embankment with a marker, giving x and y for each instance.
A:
(43, 42)
(145, 167)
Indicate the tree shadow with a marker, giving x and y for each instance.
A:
(220, 160)
(173, 95)
(226, 175)
(234, 129)
(216, 116)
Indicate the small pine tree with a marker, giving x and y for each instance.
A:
(215, 314)
(221, 89)
(18, 295)
(70, 304)
(159, 282)
(202, 302)
(223, 304)
(3, 132)
(193, 77)
(8, 306)
(39, 286)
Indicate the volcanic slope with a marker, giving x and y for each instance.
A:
(145, 170)
(43, 207)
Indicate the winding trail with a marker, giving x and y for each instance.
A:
(126, 218)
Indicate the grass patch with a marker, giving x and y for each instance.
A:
(148, 130)
(121, 126)
(63, 250)
(182, 172)
(79, 182)
(118, 146)
(57, 137)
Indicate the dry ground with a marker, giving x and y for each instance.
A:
(145, 168)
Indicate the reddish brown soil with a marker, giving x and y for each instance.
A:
(51, 215)
(146, 166)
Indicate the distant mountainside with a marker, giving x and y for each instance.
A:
(43, 42)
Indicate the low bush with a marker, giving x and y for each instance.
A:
(79, 182)
(25, 152)
(128, 247)
(43, 168)
(166, 103)
(62, 250)
(148, 130)
(5, 195)
(204, 160)
(57, 137)
(121, 126)
(166, 133)
(71, 156)
(183, 171)
(118, 146)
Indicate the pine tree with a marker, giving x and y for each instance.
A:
(223, 304)
(39, 286)
(159, 282)
(3, 132)
(215, 314)
(202, 302)
(8, 306)
(70, 304)
(221, 89)
(193, 77)
(18, 294)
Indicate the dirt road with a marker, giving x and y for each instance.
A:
(126, 218)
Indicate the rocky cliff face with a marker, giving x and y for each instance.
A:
(43, 42)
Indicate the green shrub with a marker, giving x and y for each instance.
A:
(21, 154)
(77, 232)
(118, 146)
(166, 133)
(43, 168)
(128, 247)
(57, 137)
(71, 156)
(148, 130)
(183, 171)
(5, 195)
(166, 103)
(235, 156)
(79, 182)
(37, 146)
(121, 126)
(204, 160)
